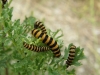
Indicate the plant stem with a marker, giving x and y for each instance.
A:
(6, 71)
(19, 73)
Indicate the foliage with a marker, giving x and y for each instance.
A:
(12, 53)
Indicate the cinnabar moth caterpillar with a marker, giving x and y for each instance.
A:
(35, 48)
(3, 3)
(49, 41)
(40, 25)
(71, 55)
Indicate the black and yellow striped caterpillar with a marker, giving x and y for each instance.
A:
(40, 25)
(35, 48)
(48, 41)
(3, 3)
(71, 56)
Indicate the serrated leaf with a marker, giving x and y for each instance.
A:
(2, 64)
(3, 52)
(80, 54)
(0, 8)
(56, 73)
(66, 52)
(17, 23)
(10, 13)
(50, 71)
(20, 64)
(40, 63)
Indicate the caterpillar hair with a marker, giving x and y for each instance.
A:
(71, 56)
(35, 48)
(40, 25)
(49, 41)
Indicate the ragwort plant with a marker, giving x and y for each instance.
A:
(17, 60)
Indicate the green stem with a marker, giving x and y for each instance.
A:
(6, 71)
(3, 48)
(19, 73)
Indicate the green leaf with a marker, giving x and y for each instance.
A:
(13, 33)
(7, 13)
(0, 8)
(66, 51)
(53, 72)
(79, 55)
(77, 64)
(20, 63)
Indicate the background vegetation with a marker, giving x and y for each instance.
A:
(78, 19)
(16, 60)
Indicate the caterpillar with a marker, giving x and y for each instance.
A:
(49, 41)
(3, 3)
(71, 56)
(35, 48)
(40, 25)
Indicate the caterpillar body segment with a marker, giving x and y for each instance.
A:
(35, 48)
(48, 41)
(40, 25)
(71, 56)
